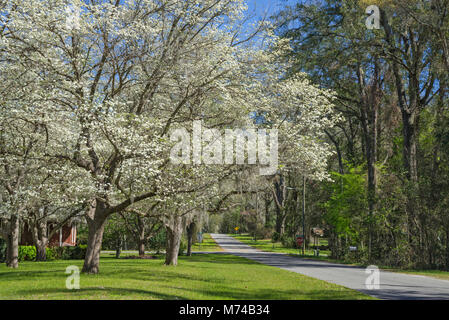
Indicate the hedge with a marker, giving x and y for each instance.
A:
(71, 253)
(28, 253)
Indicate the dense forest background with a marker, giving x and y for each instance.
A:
(390, 191)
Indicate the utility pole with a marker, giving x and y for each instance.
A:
(304, 215)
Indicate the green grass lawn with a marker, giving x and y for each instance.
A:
(209, 277)
(208, 245)
(267, 245)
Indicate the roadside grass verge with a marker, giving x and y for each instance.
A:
(208, 245)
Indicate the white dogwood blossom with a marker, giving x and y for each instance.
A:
(108, 81)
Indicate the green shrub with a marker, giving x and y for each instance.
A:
(58, 252)
(288, 241)
(2, 250)
(75, 253)
(27, 253)
(157, 243)
(70, 253)
(51, 254)
(66, 253)
(80, 251)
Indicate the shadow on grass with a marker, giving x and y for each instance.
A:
(108, 291)
(165, 276)
(220, 294)
(46, 269)
(18, 274)
(272, 294)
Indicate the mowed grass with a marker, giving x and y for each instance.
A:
(207, 277)
(208, 245)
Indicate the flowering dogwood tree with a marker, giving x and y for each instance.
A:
(30, 185)
(108, 80)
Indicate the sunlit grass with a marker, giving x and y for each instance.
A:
(209, 277)
(208, 245)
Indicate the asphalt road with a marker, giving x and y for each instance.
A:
(392, 286)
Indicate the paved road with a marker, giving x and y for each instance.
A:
(393, 286)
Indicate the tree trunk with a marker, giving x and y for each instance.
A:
(95, 238)
(142, 247)
(280, 221)
(447, 248)
(279, 196)
(174, 234)
(411, 107)
(370, 97)
(39, 234)
(96, 220)
(41, 252)
(118, 247)
(267, 212)
(410, 123)
(12, 242)
(190, 234)
(118, 252)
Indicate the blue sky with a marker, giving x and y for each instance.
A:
(259, 7)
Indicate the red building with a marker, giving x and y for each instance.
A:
(65, 236)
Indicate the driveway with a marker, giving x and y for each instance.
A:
(393, 286)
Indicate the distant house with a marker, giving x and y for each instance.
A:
(317, 232)
(64, 237)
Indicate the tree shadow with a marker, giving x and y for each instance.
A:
(276, 294)
(109, 291)
(26, 275)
